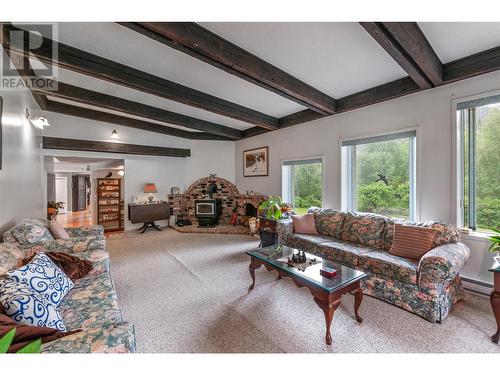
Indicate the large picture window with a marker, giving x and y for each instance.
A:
(379, 174)
(479, 148)
(302, 183)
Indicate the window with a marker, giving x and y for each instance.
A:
(302, 183)
(379, 174)
(479, 153)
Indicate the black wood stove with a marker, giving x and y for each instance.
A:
(207, 211)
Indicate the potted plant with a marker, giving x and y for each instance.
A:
(272, 207)
(495, 244)
(53, 208)
(6, 341)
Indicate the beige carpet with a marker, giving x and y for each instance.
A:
(188, 293)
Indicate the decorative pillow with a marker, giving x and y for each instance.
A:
(411, 241)
(25, 306)
(388, 236)
(31, 231)
(304, 224)
(329, 222)
(364, 229)
(44, 277)
(75, 268)
(58, 231)
(447, 233)
(10, 257)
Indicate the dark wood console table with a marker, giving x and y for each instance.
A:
(148, 213)
(495, 299)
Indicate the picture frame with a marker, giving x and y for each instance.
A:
(256, 162)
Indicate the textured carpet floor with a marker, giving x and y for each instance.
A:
(188, 293)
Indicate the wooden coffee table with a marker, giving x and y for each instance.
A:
(327, 292)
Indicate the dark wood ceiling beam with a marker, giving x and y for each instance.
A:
(53, 143)
(471, 66)
(92, 114)
(411, 38)
(98, 67)
(97, 99)
(196, 41)
(392, 46)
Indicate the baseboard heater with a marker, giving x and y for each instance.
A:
(479, 287)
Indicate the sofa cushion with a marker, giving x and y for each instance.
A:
(25, 306)
(45, 277)
(343, 252)
(10, 257)
(388, 235)
(329, 222)
(306, 242)
(383, 264)
(304, 224)
(58, 231)
(31, 231)
(91, 302)
(364, 229)
(411, 241)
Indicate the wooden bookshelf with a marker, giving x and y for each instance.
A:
(110, 212)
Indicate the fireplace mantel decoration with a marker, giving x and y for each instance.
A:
(183, 205)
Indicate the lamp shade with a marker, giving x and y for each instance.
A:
(150, 188)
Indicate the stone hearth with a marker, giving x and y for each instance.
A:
(182, 205)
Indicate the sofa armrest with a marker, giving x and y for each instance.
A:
(70, 246)
(110, 338)
(88, 231)
(284, 228)
(443, 263)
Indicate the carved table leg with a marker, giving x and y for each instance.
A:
(252, 267)
(328, 310)
(358, 298)
(495, 305)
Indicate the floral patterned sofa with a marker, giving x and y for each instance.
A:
(428, 288)
(92, 305)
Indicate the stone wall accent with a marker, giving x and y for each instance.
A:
(182, 205)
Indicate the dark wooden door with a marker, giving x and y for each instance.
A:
(79, 193)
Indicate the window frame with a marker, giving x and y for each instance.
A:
(306, 158)
(458, 164)
(347, 168)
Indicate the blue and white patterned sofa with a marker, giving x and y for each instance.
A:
(428, 288)
(92, 304)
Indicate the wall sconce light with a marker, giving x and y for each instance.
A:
(38, 120)
(121, 172)
(114, 134)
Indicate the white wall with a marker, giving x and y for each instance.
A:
(20, 177)
(430, 111)
(210, 157)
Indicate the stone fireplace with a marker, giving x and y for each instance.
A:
(183, 205)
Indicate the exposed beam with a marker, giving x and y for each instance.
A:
(98, 67)
(409, 57)
(114, 103)
(471, 66)
(118, 148)
(196, 41)
(299, 118)
(92, 114)
(412, 39)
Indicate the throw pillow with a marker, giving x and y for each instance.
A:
(411, 241)
(26, 334)
(74, 267)
(25, 306)
(58, 231)
(304, 224)
(30, 231)
(44, 277)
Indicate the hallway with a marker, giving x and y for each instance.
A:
(75, 219)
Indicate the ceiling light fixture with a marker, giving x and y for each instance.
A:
(114, 134)
(38, 120)
(121, 172)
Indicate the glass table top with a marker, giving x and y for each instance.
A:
(345, 275)
(496, 266)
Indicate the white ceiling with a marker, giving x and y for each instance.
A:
(454, 40)
(336, 58)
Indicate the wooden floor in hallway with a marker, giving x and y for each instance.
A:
(75, 219)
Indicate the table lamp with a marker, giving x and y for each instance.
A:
(150, 189)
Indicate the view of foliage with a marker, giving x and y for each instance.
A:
(488, 167)
(307, 181)
(382, 176)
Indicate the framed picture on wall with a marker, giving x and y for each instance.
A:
(256, 162)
